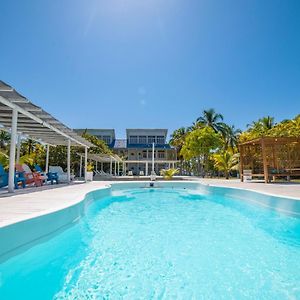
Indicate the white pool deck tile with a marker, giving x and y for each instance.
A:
(33, 202)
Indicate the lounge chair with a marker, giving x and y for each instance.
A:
(49, 176)
(19, 178)
(31, 177)
(130, 173)
(142, 173)
(104, 174)
(62, 176)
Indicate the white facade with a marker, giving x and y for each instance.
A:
(136, 149)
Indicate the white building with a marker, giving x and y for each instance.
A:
(136, 149)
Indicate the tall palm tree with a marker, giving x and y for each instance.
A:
(230, 136)
(212, 119)
(177, 140)
(29, 146)
(267, 122)
(262, 126)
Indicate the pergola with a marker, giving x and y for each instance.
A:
(270, 157)
(19, 116)
(103, 158)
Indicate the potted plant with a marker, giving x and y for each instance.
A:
(168, 174)
(89, 173)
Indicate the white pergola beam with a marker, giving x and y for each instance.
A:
(37, 119)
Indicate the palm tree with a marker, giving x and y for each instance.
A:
(262, 125)
(177, 137)
(212, 119)
(29, 146)
(177, 140)
(225, 162)
(230, 137)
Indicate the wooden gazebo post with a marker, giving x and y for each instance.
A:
(265, 163)
(241, 162)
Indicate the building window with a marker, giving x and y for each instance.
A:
(106, 139)
(133, 139)
(151, 139)
(150, 154)
(142, 139)
(144, 154)
(161, 154)
(160, 139)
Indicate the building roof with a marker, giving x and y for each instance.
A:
(272, 141)
(33, 121)
(147, 131)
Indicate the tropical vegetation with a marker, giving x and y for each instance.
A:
(209, 147)
(169, 173)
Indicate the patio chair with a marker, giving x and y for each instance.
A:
(49, 176)
(19, 178)
(142, 173)
(104, 174)
(247, 174)
(130, 173)
(30, 177)
(62, 176)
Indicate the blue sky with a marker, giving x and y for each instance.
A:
(153, 63)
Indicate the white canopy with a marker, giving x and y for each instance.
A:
(33, 121)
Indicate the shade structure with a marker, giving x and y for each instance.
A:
(270, 157)
(33, 121)
(20, 116)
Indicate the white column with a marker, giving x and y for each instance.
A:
(85, 163)
(18, 148)
(69, 161)
(12, 153)
(115, 168)
(80, 167)
(47, 158)
(96, 167)
(146, 169)
(102, 166)
(110, 167)
(169, 165)
(152, 157)
(118, 169)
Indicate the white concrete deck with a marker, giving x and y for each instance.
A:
(29, 203)
(287, 189)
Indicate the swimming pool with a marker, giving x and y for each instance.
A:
(172, 242)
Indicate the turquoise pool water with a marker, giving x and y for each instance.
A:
(163, 244)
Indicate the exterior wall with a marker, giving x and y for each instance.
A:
(138, 147)
(146, 136)
(107, 135)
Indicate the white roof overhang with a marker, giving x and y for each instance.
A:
(33, 121)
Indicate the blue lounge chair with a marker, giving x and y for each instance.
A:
(50, 176)
(19, 178)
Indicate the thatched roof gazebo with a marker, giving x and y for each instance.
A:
(270, 157)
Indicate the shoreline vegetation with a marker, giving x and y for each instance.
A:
(207, 148)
